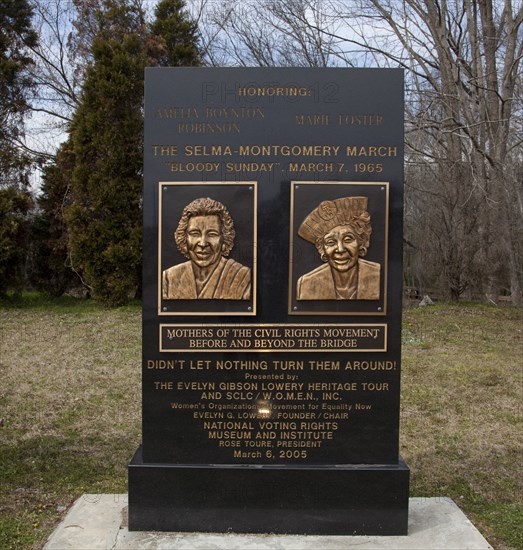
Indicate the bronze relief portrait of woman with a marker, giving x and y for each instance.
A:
(205, 235)
(340, 230)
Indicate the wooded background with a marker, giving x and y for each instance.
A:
(71, 132)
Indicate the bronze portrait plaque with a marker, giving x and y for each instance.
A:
(216, 277)
(336, 233)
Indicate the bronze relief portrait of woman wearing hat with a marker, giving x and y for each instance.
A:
(340, 230)
(338, 248)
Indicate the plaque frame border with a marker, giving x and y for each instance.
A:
(384, 349)
(385, 275)
(254, 185)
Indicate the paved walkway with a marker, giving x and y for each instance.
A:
(99, 522)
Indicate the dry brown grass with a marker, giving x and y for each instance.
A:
(79, 373)
(71, 408)
(462, 412)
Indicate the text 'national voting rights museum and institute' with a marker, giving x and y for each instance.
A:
(273, 203)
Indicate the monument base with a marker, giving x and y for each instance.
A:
(307, 500)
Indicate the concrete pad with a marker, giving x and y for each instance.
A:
(99, 522)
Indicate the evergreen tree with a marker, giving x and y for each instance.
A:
(50, 265)
(14, 232)
(16, 34)
(104, 219)
(175, 35)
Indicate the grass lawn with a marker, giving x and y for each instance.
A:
(70, 411)
(462, 404)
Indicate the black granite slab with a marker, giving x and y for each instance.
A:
(344, 500)
(305, 390)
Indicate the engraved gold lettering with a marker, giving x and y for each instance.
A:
(272, 91)
(282, 386)
(332, 386)
(234, 112)
(311, 167)
(370, 365)
(241, 332)
(176, 112)
(258, 443)
(162, 364)
(163, 386)
(228, 426)
(289, 150)
(313, 120)
(347, 343)
(193, 166)
(222, 344)
(199, 364)
(351, 332)
(208, 128)
(207, 150)
(208, 414)
(371, 151)
(294, 444)
(238, 386)
(288, 365)
(195, 386)
(241, 365)
(165, 150)
(185, 406)
(302, 332)
(222, 434)
(360, 120)
(247, 454)
(250, 166)
(324, 365)
(227, 443)
(375, 386)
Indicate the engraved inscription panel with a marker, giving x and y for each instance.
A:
(272, 266)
